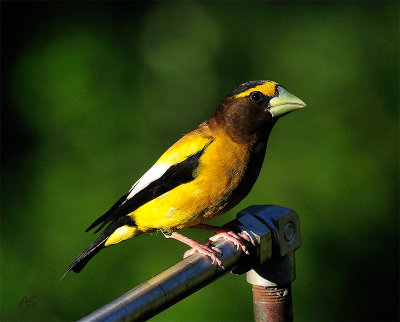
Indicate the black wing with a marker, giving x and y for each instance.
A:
(176, 175)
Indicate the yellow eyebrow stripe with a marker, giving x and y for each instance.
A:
(268, 89)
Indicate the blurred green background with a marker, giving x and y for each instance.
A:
(94, 92)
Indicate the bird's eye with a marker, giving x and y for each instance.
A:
(256, 97)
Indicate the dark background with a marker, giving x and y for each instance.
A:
(94, 92)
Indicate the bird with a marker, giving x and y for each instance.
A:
(203, 175)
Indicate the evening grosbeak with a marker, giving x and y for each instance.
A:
(203, 175)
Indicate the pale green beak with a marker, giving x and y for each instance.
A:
(284, 103)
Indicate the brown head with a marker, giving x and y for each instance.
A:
(250, 110)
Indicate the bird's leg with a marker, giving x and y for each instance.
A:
(207, 250)
(226, 233)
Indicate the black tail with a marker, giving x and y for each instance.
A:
(80, 262)
(98, 244)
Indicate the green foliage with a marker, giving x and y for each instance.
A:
(93, 93)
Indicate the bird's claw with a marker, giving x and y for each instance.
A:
(236, 239)
(207, 250)
(212, 251)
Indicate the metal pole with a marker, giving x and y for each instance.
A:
(271, 281)
(168, 287)
(197, 271)
(272, 303)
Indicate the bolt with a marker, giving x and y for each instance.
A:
(289, 232)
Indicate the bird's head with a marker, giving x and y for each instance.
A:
(255, 105)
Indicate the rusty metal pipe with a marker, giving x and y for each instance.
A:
(273, 304)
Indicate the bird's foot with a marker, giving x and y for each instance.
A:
(207, 250)
(197, 247)
(237, 239)
(222, 232)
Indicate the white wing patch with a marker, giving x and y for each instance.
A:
(154, 173)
